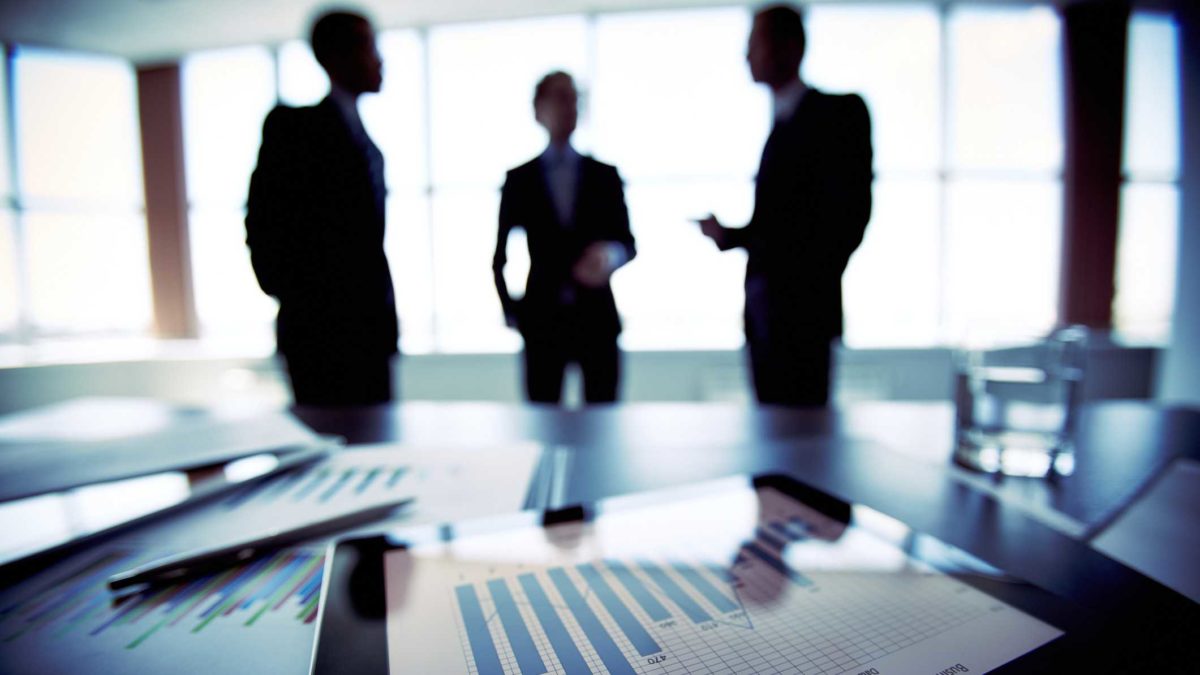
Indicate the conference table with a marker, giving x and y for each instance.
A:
(893, 457)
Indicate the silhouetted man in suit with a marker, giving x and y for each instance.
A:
(812, 201)
(315, 225)
(573, 210)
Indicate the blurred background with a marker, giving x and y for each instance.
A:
(130, 128)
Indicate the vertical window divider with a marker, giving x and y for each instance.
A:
(427, 124)
(943, 169)
(24, 328)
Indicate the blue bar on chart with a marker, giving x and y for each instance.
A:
(338, 484)
(778, 565)
(368, 479)
(564, 647)
(312, 484)
(649, 604)
(528, 659)
(605, 647)
(633, 629)
(702, 584)
(678, 596)
(487, 661)
(721, 571)
(286, 482)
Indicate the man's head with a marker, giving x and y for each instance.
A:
(556, 105)
(776, 45)
(344, 44)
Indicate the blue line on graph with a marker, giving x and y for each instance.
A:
(697, 580)
(778, 565)
(633, 629)
(608, 650)
(526, 652)
(637, 589)
(564, 647)
(685, 602)
(487, 661)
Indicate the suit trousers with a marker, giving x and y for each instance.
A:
(340, 379)
(792, 371)
(546, 359)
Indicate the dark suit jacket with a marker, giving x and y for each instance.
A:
(812, 201)
(315, 226)
(553, 300)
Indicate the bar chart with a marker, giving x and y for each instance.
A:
(753, 583)
(320, 484)
(648, 606)
(78, 604)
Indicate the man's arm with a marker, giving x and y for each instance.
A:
(601, 258)
(500, 258)
(270, 206)
(724, 237)
(849, 186)
(855, 177)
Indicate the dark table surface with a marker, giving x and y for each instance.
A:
(891, 456)
(623, 448)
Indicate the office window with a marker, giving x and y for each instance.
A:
(892, 288)
(1149, 222)
(891, 56)
(395, 117)
(1005, 150)
(226, 96)
(481, 82)
(673, 97)
(481, 79)
(966, 109)
(10, 299)
(409, 248)
(301, 79)
(1002, 242)
(88, 271)
(9, 295)
(674, 108)
(681, 292)
(1005, 89)
(80, 181)
(396, 120)
(467, 309)
(6, 176)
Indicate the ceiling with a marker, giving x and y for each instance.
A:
(148, 31)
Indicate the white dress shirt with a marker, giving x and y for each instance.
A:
(787, 99)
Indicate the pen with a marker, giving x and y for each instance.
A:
(196, 563)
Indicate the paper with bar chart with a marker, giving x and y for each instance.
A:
(258, 617)
(736, 584)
